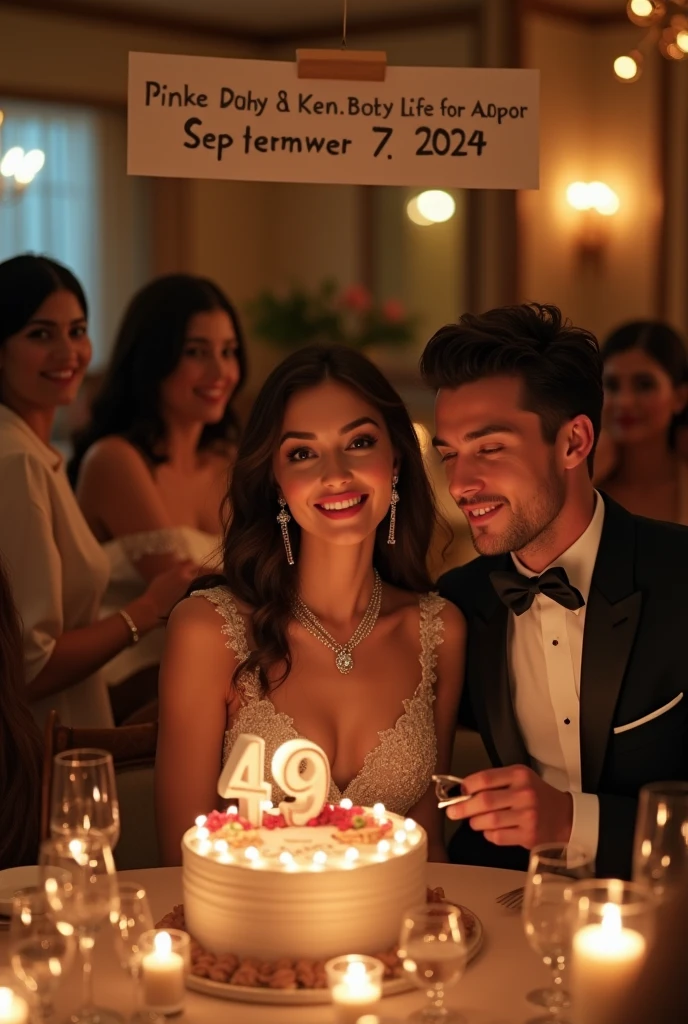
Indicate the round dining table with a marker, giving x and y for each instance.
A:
(492, 991)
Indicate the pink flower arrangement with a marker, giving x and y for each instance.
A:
(357, 297)
(330, 315)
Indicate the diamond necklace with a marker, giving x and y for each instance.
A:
(343, 657)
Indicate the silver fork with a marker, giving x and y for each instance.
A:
(512, 900)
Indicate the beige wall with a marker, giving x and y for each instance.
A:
(592, 127)
(247, 235)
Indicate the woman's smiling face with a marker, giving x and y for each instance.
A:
(335, 463)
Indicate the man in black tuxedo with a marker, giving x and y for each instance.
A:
(577, 611)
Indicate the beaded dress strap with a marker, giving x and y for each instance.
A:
(234, 628)
(431, 629)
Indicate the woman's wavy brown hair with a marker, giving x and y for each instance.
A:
(255, 566)
(21, 747)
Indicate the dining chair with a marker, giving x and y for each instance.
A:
(133, 754)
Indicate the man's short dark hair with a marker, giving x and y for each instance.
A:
(559, 364)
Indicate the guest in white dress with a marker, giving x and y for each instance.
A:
(151, 469)
(322, 625)
(57, 570)
(645, 396)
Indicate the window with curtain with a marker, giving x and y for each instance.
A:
(81, 208)
(58, 213)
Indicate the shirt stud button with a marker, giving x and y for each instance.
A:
(555, 643)
(567, 721)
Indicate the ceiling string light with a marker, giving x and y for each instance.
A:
(666, 22)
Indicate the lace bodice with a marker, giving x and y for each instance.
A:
(397, 771)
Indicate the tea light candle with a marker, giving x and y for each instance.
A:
(606, 961)
(356, 987)
(355, 995)
(162, 976)
(13, 1009)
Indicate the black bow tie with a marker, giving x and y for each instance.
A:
(517, 591)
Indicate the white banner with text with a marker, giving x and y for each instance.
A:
(255, 120)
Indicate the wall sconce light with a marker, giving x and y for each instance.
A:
(431, 207)
(595, 200)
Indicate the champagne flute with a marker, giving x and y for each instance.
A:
(432, 949)
(84, 794)
(660, 848)
(134, 918)
(80, 883)
(41, 950)
(546, 909)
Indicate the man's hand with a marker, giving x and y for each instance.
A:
(514, 807)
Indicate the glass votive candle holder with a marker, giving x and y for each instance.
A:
(612, 929)
(14, 1008)
(165, 960)
(355, 983)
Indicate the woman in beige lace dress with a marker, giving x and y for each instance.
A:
(151, 469)
(323, 625)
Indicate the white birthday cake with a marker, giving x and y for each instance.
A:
(338, 884)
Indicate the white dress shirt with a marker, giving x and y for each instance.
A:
(57, 569)
(545, 648)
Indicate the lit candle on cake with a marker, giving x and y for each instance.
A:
(356, 987)
(13, 1009)
(162, 975)
(606, 962)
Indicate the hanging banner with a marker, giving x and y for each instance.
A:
(255, 120)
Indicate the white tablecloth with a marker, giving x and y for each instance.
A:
(492, 990)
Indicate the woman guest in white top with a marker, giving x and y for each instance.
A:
(151, 468)
(57, 570)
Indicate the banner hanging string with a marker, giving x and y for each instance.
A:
(344, 25)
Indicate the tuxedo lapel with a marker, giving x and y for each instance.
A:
(611, 621)
(490, 675)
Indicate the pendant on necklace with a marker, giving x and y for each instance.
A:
(344, 661)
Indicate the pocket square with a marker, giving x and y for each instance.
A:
(648, 718)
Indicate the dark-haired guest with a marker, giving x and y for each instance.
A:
(57, 570)
(20, 745)
(332, 516)
(576, 610)
(151, 469)
(645, 373)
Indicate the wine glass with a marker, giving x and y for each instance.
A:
(84, 794)
(41, 949)
(134, 918)
(80, 883)
(660, 848)
(546, 916)
(432, 949)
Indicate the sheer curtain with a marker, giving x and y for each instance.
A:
(81, 209)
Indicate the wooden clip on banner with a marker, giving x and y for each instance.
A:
(344, 65)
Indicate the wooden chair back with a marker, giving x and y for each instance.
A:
(131, 746)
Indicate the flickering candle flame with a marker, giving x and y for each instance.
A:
(162, 976)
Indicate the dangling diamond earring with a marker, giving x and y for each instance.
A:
(391, 538)
(283, 518)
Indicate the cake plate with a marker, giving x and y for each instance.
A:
(314, 996)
